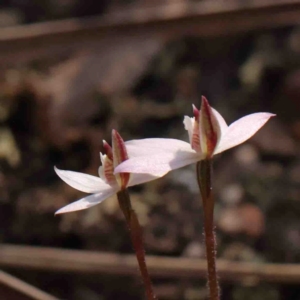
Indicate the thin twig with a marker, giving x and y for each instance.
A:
(76, 261)
(23, 288)
(168, 21)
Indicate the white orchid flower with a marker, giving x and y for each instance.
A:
(108, 183)
(208, 135)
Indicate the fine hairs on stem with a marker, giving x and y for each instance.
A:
(204, 175)
(136, 236)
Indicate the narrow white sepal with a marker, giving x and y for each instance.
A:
(82, 182)
(159, 164)
(88, 201)
(242, 130)
(144, 147)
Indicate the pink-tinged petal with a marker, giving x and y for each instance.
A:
(242, 130)
(82, 182)
(119, 155)
(159, 164)
(88, 201)
(151, 146)
(136, 179)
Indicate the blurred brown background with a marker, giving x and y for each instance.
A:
(137, 66)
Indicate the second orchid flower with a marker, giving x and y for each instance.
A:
(108, 183)
(208, 135)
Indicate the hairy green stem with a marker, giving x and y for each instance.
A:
(136, 236)
(204, 175)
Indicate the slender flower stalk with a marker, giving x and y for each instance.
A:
(136, 236)
(204, 178)
(109, 184)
